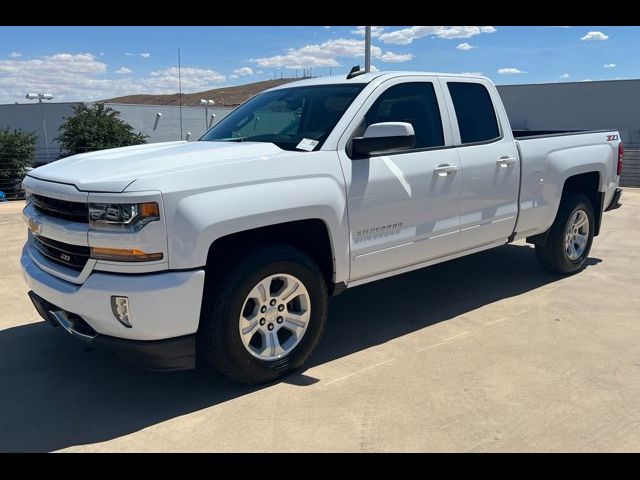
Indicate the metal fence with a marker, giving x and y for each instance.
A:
(631, 170)
(11, 176)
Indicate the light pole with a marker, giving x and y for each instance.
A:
(367, 49)
(206, 104)
(41, 97)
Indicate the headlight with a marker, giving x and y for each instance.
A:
(122, 217)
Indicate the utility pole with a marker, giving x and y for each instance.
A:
(367, 49)
(40, 97)
(180, 93)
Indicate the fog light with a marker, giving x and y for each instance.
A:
(120, 309)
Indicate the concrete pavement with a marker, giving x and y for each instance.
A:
(484, 353)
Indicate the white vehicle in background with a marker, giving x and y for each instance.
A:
(231, 246)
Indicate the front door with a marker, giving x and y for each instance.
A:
(403, 207)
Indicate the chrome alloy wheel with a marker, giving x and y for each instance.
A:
(576, 235)
(275, 316)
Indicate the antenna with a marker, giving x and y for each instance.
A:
(355, 71)
(180, 93)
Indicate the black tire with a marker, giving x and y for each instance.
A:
(219, 339)
(553, 256)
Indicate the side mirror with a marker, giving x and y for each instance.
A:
(381, 138)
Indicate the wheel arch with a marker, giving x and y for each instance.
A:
(311, 236)
(587, 183)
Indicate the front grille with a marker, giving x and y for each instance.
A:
(54, 207)
(71, 256)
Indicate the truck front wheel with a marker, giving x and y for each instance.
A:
(570, 237)
(266, 317)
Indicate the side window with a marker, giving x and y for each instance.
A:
(414, 103)
(476, 117)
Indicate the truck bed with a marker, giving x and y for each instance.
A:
(526, 134)
(547, 157)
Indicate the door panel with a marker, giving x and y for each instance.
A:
(488, 205)
(489, 160)
(401, 212)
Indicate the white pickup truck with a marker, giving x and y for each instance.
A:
(230, 246)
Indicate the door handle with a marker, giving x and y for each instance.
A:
(444, 170)
(505, 161)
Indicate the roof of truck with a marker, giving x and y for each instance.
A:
(365, 78)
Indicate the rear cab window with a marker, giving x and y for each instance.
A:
(476, 116)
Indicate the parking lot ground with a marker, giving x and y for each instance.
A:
(484, 353)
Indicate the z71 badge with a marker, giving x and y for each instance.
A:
(611, 138)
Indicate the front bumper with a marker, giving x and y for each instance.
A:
(160, 355)
(162, 305)
(164, 311)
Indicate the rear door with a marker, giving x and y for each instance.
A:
(489, 161)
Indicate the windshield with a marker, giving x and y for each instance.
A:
(296, 118)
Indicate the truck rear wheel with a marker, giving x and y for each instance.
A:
(570, 237)
(266, 317)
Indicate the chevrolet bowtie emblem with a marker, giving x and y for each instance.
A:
(34, 226)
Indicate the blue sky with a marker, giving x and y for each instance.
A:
(91, 63)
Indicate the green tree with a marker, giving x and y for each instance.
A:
(17, 149)
(95, 127)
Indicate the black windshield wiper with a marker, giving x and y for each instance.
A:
(230, 139)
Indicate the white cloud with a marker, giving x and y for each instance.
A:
(145, 54)
(509, 71)
(192, 78)
(259, 72)
(595, 37)
(326, 55)
(374, 68)
(587, 80)
(81, 77)
(233, 77)
(565, 75)
(391, 57)
(15, 54)
(123, 71)
(408, 35)
(375, 31)
(322, 55)
(129, 54)
(464, 46)
(474, 74)
(609, 65)
(243, 71)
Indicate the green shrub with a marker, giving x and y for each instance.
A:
(17, 149)
(95, 127)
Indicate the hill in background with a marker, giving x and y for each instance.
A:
(224, 97)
